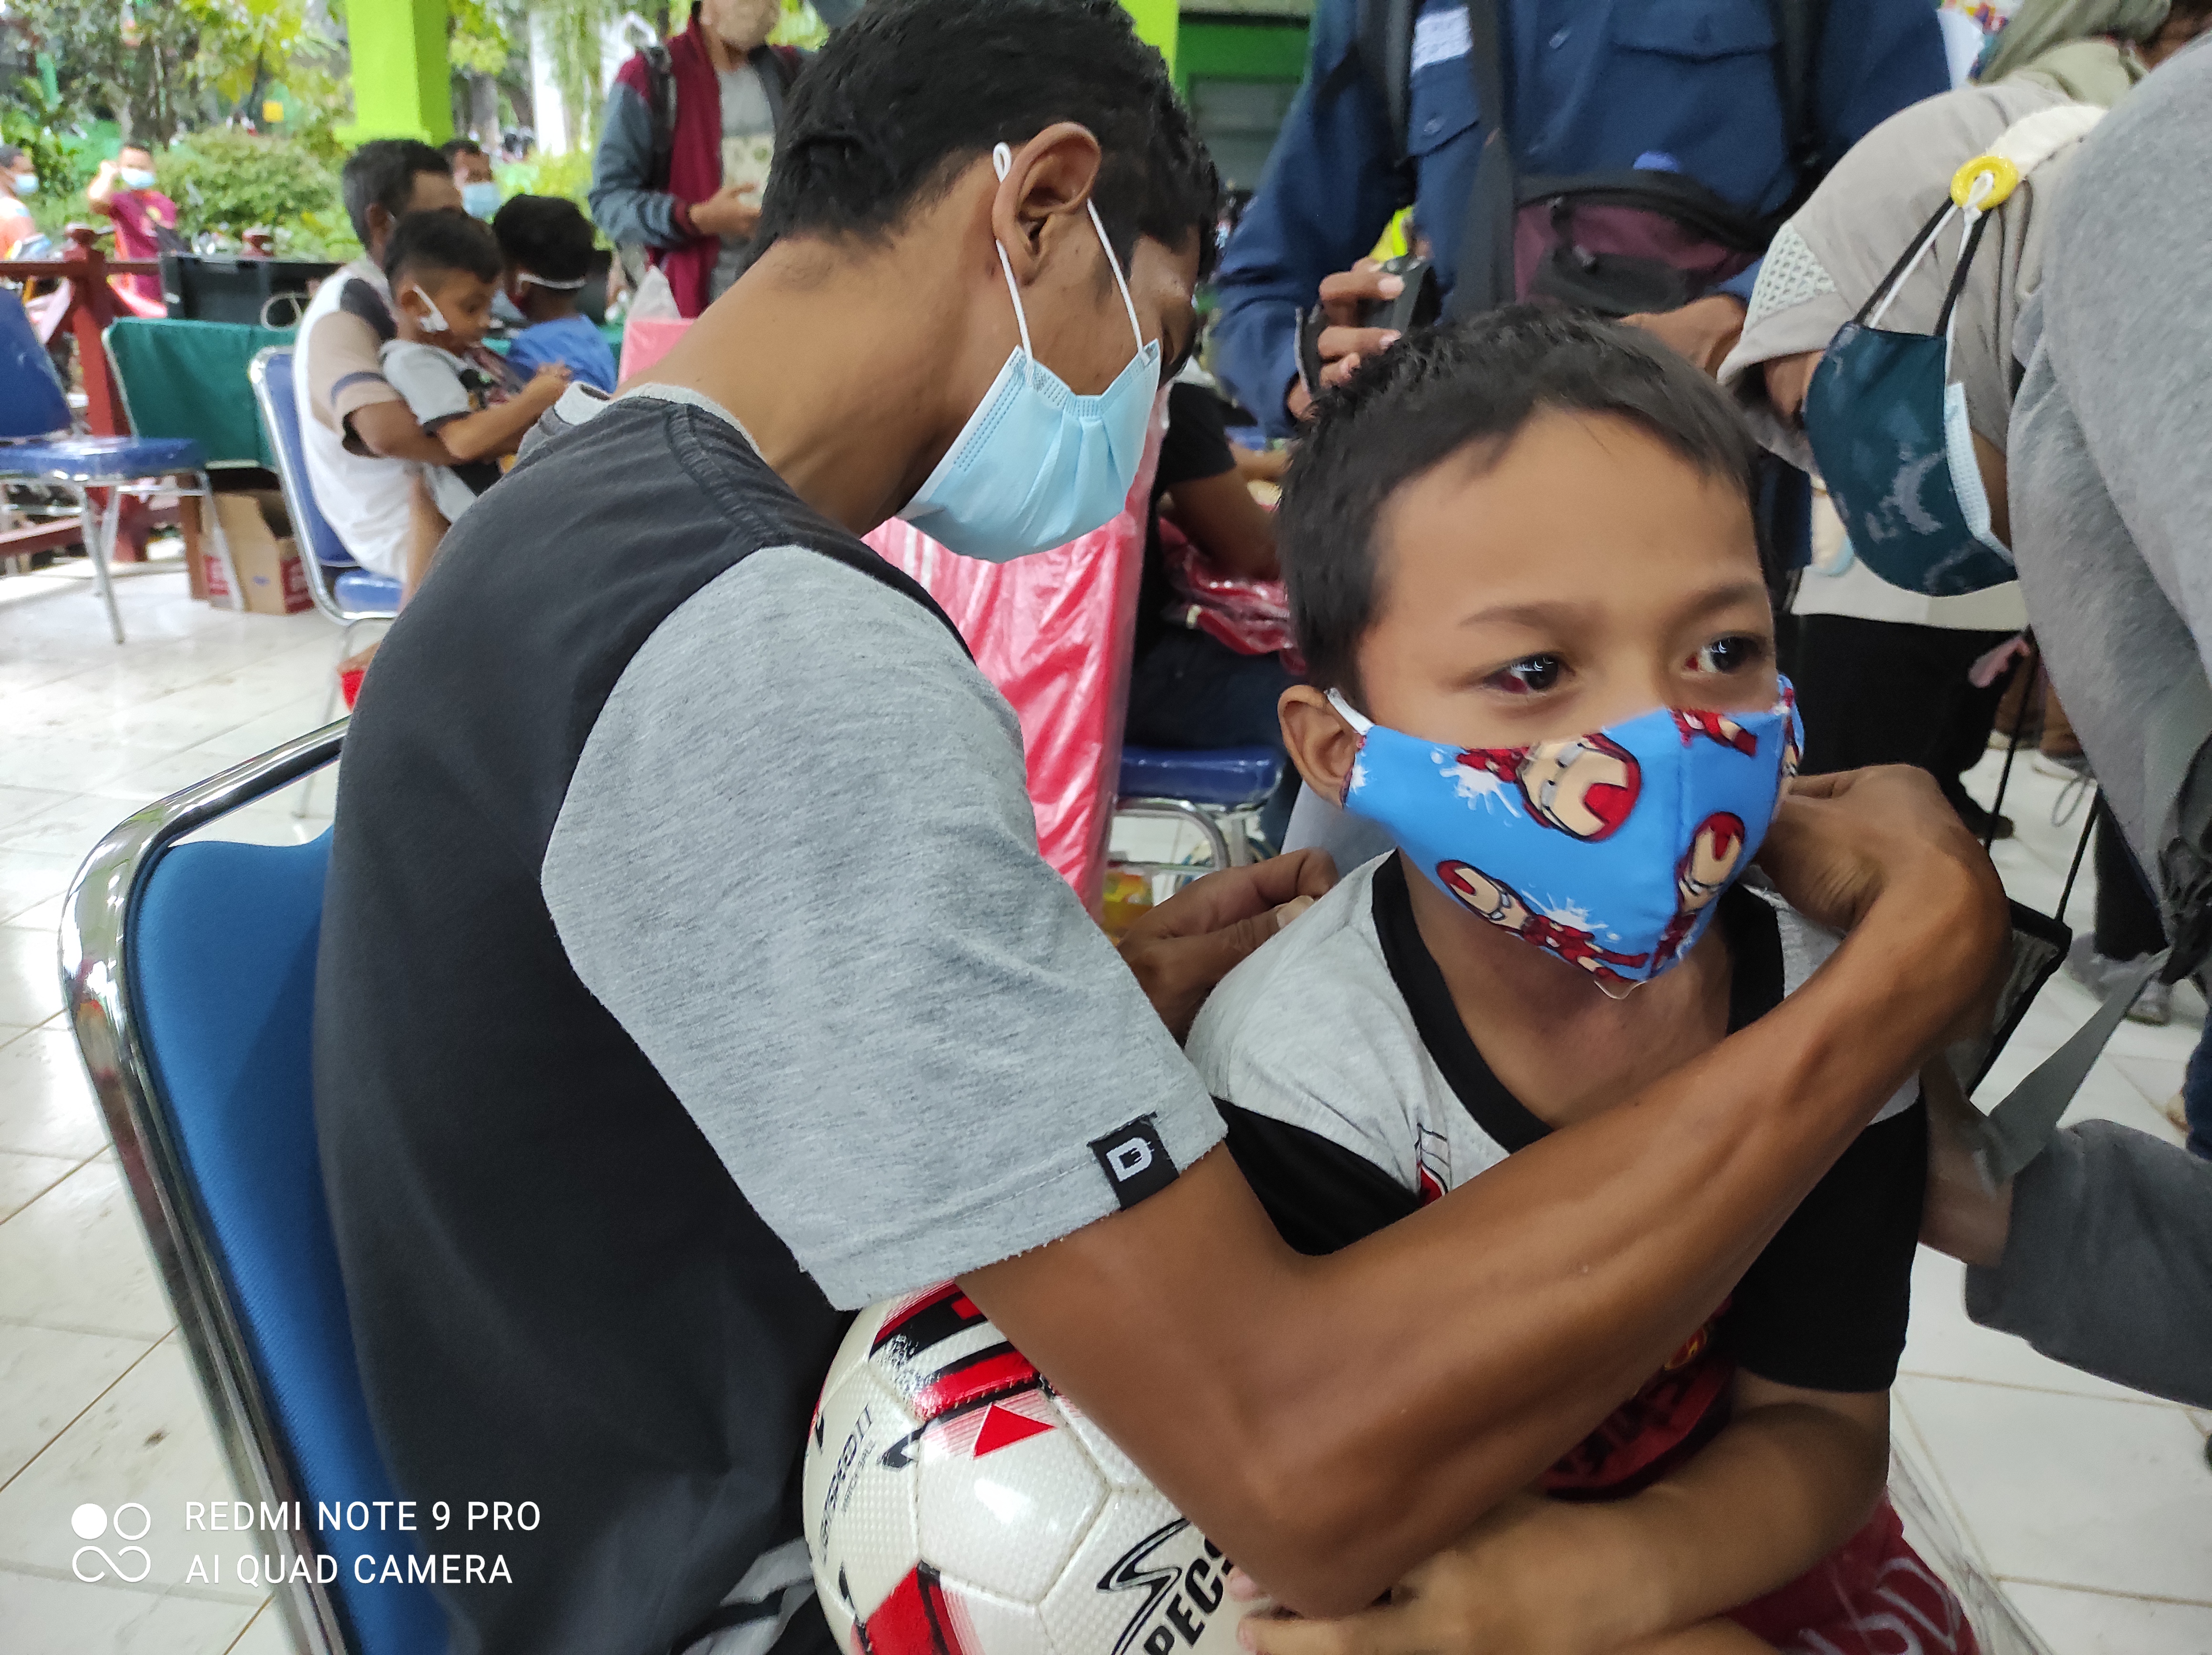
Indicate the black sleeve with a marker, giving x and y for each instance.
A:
(1197, 444)
(1825, 1306)
(1321, 1196)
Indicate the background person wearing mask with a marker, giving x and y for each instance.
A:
(355, 429)
(689, 189)
(2099, 1251)
(1630, 88)
(20, 235)
(124, 190)
(1882, 672)
(472, 177)
(2093, 51)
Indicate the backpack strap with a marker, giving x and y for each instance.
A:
(1798, 25)
(1385, 45)
(661, 104)
(1485, 279)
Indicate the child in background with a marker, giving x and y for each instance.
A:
(1524, 577)
(547, 244)
(444, 267)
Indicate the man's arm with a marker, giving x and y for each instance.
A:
(1331, 1422)
(1329, 188)
(625, 205)
(499, 430)
(390, 431)
(1219, 514)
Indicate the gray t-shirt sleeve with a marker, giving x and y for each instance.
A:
(797, 862)
(428, 379)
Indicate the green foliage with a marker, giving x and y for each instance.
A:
(800, 26)
(229, 182)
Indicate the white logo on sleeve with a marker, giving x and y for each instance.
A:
(1134, 1160)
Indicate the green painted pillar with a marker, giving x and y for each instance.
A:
(1158, 24)
(400, 77)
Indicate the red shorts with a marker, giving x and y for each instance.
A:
(1871, 1596)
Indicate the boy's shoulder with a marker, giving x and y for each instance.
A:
(1311, 1029)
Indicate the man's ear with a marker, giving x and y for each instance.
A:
(1321, 745)
(1050, 178)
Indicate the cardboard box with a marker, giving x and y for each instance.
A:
(261, 545)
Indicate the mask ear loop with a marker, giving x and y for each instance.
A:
(1119, 280)
(1002, 158)
(1358, 720)
(1886, 291)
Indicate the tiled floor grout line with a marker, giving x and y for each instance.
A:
(1935, 1468)
(2135, 1401)
(88, 1332)
(87, 1409)
(267, 1604)
(2104, 1591)
(174, 1589)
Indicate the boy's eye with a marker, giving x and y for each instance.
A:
(1735, 653)
(1529, 676)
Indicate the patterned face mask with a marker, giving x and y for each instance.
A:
(1607, 849)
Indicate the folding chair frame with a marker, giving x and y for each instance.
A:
(96, 987)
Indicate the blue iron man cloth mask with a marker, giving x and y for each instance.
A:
(1888, 428)
(1037, 465)
(1608, 849)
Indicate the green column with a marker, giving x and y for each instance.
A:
(1158, 23)
(400, 77)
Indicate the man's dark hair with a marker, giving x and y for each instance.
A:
(382, 174)
(444, 238)
(912, 91)
(455, 146)
(546, 235)
(1432, 395)
(9, 155)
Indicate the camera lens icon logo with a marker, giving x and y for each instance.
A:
(89, 1522)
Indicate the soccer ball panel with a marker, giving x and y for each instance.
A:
(859, 1493)
(984, 1623)
(1116, 1467)
(1144, 1582)
(1006, 1493)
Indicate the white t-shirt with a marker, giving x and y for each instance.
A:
(362, 497)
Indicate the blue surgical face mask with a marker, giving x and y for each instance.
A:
(1037, 465)
(1607, 849)
(136, 178)
(1889, 432)
(480, 200)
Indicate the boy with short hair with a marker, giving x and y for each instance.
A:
(444, 267)
(546, 242)
(1523, 573)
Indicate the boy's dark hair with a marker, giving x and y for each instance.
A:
(912, 91)
(546, 235)
(1431, 395)
(444, 238)
(381, 173)
(453, 147)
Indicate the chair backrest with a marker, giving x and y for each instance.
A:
(196, 1017)
(32, 401)
(165, 370)
(271, 373)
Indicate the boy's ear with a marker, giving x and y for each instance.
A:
(1320, 743)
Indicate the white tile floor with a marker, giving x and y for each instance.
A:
(2090, 1504)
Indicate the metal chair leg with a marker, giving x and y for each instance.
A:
(98, 536)
(211, 521)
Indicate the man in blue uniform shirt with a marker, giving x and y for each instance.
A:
(1696, 88)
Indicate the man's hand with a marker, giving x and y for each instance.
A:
(1963, 1216)
(1839, 841)
(1701, 332)
(1534, 1576)
(1182, 948)
(732, 211)
(1344, 342)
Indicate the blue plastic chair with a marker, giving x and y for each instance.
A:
(36, 446)
(342, 589)
(1218, 791)
(188, 971)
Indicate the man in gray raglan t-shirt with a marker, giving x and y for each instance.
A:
(2108, 1263)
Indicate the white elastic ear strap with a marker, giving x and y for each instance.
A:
(1359, 721)
(1119, 280)
(1919, 253)
(1002, 158)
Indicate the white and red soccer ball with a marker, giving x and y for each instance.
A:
(956, 1504)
